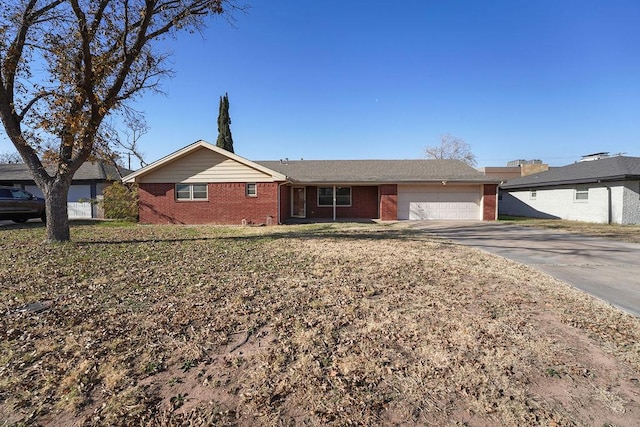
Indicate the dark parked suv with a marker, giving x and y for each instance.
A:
(19, 205)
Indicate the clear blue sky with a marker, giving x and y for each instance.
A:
(336, 79)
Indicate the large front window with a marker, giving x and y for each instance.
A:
(343, 196)
(191, 191)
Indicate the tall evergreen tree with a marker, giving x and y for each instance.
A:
(225, 140)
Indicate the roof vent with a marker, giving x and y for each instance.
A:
(594, 156)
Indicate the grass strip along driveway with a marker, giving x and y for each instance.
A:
(332, 324)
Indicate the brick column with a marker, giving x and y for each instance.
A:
(489, 202)
(389, 202)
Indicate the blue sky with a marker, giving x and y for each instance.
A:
(549, 80)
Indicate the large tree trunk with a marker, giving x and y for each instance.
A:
(55, 195)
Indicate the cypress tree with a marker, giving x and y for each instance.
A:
(225, 141)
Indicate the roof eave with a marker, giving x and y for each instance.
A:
(569, 182)
(394, 181)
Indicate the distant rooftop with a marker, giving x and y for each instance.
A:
(520, 162)
(603, 169)
(88, 171)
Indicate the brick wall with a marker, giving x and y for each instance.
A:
(285, 203)
(489, 202)
(526, 170)
(388, 202)
(226, 204)
(364, 204)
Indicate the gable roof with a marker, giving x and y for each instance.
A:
(376, 171)
(196, 146)
(605, 169)
(88, 171)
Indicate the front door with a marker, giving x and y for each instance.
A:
(299, 202)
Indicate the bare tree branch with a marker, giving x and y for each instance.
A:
(10, 158)
(452, 147)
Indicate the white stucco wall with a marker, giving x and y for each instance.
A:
(631, 199)
(560, 202)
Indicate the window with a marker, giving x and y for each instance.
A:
(191, 191)
(19, 194)
(533, 194)
(325, 196)
(251, 190)
(582, 194)
(15, 193)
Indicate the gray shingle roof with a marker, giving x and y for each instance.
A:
(89, 171)
(376, 171)
(607, 169)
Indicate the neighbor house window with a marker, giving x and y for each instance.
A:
(191, 191)
(251, 190)
(533, 194)
(325, 196)
(582, 193)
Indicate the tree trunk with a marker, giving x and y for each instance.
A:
(55, 196)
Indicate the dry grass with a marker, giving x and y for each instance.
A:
(314, 325)
(625, 233)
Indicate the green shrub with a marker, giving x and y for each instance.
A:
(121, 201)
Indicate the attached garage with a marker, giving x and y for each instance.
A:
(79, 205)
(78, 202)
(439, 202)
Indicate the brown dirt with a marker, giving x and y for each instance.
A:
(624, 233)
(314, 325)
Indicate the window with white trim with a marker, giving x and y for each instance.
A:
(533, 194)
(251, 189)
(325, 196)
(582, 194)
(191, 191)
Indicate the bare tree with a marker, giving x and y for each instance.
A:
(452, 147)
(123, 136)
(66, 65)
(10, 158)
(136, 128)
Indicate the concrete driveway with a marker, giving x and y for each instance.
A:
(607, 269)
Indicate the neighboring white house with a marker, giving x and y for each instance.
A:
(605, 190)
(88, 184)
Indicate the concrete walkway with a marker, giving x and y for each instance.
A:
(607, 269)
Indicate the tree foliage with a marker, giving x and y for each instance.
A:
(452, 147)
(225, 140)
(67, 65)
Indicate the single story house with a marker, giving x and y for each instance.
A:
(606, 190)
(88, 184)
(202, 183)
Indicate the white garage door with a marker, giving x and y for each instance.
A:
(77, 208)
(439, 202)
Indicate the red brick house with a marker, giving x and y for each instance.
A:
(202, 183)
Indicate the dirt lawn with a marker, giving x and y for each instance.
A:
(332, 324)
(625, 233)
